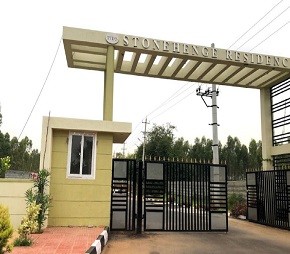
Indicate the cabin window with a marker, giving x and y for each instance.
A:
(81, 155)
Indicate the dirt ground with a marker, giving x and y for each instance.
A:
(243, 237)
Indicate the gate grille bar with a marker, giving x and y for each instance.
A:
(268, 197)
(280, 104)
(177, 196)
(185, 197)
(123, 195)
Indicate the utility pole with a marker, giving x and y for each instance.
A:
(140, 182)
(215, 141)
(124, 145)
(144, 139)
(212, 93)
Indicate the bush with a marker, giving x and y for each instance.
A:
(237, 204)
(38, 194)
(28, 225)
(4, 166)
(239, 209)
(22, 242)
(6, 230)
(235, 199)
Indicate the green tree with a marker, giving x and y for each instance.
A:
(181, 148)
(259, 154)
(160, 140)
(131, 156)
(231, 154)
(255, 154)
(21, 155)
(201, 150)
(34, 160)
(238, 157)
(5, 146)
(119, 155)
(243, 160)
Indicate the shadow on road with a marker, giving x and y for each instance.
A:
(243, 237)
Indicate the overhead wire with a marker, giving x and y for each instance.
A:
(255, 24)
(168, 100)
(172, 105)
(172, 97)
(264, 27)
(270, 35)
(249, 39)
(44, 83)
(135, 134)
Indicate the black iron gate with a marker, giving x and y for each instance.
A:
(123, 194)
(172, 196)
(268, 197)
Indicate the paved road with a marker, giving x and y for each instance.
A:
(243, 237)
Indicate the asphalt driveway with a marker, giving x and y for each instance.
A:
(243, 237)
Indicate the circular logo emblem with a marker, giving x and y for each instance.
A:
(112, 38)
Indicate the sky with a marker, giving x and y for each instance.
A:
(31, 34)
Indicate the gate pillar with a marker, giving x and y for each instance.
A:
(266, 127)
(109, 85)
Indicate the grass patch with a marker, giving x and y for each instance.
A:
(23, 242)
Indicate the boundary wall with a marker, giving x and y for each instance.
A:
(12, 194)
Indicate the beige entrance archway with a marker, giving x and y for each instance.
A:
(135, 55)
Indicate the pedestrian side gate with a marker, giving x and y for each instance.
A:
(268, 197)
(168, 196)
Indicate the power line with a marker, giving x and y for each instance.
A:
(255, 24)
(168, 100)
(167, 108)
(172, 105)
(172, 97)
(270, 35)
(132, 139)
(136, 134)
(41, 89)
(264, 27)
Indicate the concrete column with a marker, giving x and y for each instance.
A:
(215, 139)
(266, 127)
(109, 85)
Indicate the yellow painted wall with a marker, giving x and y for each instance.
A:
(80, 202)
(12, 195)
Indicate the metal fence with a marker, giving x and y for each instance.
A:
(168, 196)
(123, 194)
(268, 197)
(185, 197)
(280, 105)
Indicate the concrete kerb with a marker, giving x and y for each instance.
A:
(99, 244)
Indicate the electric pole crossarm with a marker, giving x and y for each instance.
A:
(205, 102)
